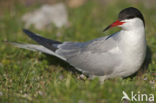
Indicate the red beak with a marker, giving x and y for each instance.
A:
(116, 23)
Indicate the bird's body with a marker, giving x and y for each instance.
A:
(117, 55)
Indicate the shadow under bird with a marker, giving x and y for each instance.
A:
(117, 55)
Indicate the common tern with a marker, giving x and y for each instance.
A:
(117, 55)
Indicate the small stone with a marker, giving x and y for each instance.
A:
(61, 77)
(145, 78)
(82, 76)
(1, 93)
(81, 101)
(40, 92)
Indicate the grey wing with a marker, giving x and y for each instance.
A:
(97, 57)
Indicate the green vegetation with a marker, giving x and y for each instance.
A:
(32, 77)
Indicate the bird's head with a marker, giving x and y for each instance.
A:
(129, 18)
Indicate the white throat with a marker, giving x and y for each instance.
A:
(132, 24)
(132, 33)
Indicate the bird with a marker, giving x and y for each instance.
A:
(120, 54)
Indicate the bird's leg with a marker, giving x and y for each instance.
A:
(101, 78)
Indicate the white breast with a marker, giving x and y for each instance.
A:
(132, 43)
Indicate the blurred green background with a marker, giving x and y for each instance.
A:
(32, 77)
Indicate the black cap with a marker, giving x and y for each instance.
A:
(130, 13)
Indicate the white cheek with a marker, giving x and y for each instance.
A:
(132, 24)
